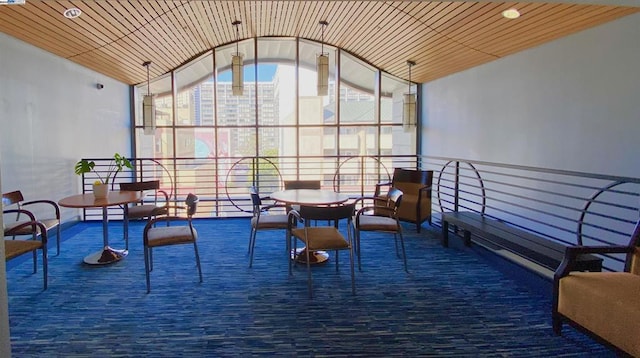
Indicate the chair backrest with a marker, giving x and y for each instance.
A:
(192, 204)
(141, 185)
(632, 262)
(394, 197)
(329, 213)
(14, 197)
(255, 198)
(411, 180)
(403, 175)
(302, 184)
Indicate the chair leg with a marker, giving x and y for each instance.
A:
(126, 232)
(418, 225)
(358, 248)
(147, 267)
(195, 248)
(309, 280)
(45, 266)
(395, 242)
(288, 245)
(58, 239)
(252, 245)
(250, 240)
(35, 260)
(404, 253)
(353, 280)
(150, 259)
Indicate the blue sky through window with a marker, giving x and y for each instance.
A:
(265, 73)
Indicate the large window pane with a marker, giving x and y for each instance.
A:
(214, 137)
(236, 110)
(194, 99)
(277, 81)
(315, 109)
(357, 91)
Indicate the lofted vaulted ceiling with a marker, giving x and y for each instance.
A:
(114, 37)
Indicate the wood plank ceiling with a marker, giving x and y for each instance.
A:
(114, 37)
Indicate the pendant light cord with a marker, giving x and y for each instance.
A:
(147, 64)
(324, 24)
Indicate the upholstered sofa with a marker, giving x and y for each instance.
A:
(416, 189)
(604, 305)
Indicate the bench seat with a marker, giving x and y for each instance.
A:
(493, 233)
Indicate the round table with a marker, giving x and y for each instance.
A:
(309, 197)
(84, 201)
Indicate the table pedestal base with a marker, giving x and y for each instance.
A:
(105, 256)
(316, 257)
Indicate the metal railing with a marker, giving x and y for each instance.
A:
(564, 206)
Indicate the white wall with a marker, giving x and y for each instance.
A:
(570, 104)
(51, 115)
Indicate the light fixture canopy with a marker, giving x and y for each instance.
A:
(409, 115)
(237, 70)
(72, 13)
(511, 13)
(322, 65)
(148, 106)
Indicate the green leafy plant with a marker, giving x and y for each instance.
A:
(119, 162)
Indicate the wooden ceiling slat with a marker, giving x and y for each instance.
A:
(39, 21)
(403, 31)
(113, 37)
(156, 34)
(371, 39)
(577, 23)
(170, 34)
(361, 25)
(532, 28)
(118, 53)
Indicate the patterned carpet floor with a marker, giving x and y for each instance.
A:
(453, 303)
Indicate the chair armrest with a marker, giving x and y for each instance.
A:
(35, 224)
(572, 253)
(374, 200)
(165, 195)
(380, 185)
(274, 206)
(20, 211)
(380, 211)
(48, 202)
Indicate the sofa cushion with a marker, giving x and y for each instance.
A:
(606, 303)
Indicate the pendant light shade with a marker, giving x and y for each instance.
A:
(148, 107)
(322, 66)
(237, 82)
(237, 70)
(409, 115)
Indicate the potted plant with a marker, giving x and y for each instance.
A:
(101, 186)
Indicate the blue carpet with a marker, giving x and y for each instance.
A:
(453, 302)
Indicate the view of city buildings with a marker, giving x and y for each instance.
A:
(279, 116)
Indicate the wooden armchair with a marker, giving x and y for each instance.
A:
(50, 220)
(604, 305)
(416, 188)
(14, 248)
(156, 205)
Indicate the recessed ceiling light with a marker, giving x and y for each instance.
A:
(72, 13)
(511, 14)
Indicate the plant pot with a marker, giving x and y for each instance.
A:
(100, 191)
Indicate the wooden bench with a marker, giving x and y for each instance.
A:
(544, 252)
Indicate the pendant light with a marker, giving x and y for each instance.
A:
(409, 105)
(237, 82)
(322, 66)
(148, 107)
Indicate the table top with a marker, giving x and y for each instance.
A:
(115, 197)
(309, 197)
